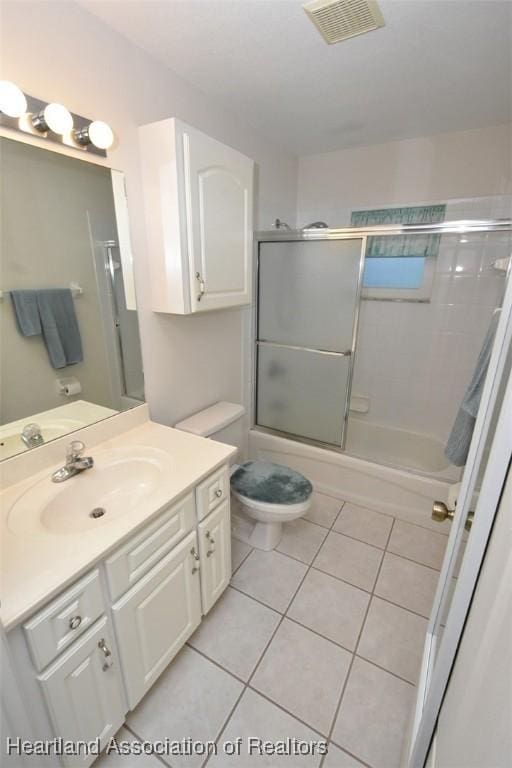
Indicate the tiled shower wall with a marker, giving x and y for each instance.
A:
(413, 361)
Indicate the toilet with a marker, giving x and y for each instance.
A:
(266, 494)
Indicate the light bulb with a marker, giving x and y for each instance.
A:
(12, 99)
(100, 134)
(57, 118)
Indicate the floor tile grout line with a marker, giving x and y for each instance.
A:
(216, 663)
(343, 581)
(233, 571)
(410, 560)
(319, 547)
(247, 684)
(319, 634)
(324, 637)
(141, 739)
(224, 725)
(287, 711)
(342, 694)
(361, 541)
(354, 654)
(249, 681)
(256, 599)
(326, 527)
(383, 669)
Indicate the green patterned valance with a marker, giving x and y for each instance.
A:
(401, 245)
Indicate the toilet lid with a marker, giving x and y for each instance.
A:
(271, 483)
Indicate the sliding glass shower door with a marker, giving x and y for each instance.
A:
(307, 310)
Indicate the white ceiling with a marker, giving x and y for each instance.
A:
(437, 65)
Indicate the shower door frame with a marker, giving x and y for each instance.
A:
(461, 227)
(350, 353)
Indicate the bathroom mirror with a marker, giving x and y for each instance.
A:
(70, 350)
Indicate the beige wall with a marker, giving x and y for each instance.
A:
(464, 164)
(57, 51)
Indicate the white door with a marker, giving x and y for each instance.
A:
(219, 201)
(475, 722)
(215, 552)
(155, 617)
(485, 470)
(84, 693)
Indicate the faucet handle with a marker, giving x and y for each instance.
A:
(75, 449)
(31, 430)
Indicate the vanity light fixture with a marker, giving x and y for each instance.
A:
(12, 99)
(98, 133)
(52, 121)
(54, 117)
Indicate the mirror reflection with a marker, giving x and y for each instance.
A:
(70, 351)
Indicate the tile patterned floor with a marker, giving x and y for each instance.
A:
(320, 640)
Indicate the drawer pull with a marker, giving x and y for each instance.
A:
(75, 622)
(196, 557)
(102, 645)
(212, 541)
(218, 493)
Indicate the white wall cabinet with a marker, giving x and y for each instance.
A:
(156, 617)
(198, 196)
(215, 552)
(83, 691)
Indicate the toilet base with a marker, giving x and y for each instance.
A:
(265, 536)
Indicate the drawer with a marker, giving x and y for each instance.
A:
(212, 492)
(64, 619)
(131, 561)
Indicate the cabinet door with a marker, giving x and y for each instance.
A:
(219, 198)
(84, 693)
(154, 619)
(215, 551)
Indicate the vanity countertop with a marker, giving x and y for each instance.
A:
(38, 565)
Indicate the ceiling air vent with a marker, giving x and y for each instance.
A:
(337, 20)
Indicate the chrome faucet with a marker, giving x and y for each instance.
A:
(75, 462)
(31, 435)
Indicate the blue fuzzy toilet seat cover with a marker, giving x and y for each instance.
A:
(271, 483)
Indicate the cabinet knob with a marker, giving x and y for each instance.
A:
(218, 493)
(107, 653)
(75, 622)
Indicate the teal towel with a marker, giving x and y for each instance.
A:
(457, 447)
(26, 312)
(60, 326)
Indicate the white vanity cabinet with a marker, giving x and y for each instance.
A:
(94, 650)
(198, 196)
(83, 691)
(215, 553)
(156, 617)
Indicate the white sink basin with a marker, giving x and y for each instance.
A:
(90, 499)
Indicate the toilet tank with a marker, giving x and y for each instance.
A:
(224, 422)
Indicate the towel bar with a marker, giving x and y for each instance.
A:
(75, 289)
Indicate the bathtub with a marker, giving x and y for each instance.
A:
(399, 448)
(402, 491)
